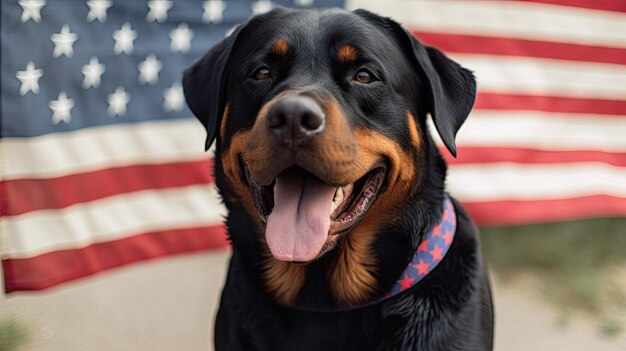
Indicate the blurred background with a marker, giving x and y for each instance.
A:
(111, 235)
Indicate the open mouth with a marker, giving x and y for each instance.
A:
(305, 216)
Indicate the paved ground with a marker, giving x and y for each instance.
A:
(169, 305)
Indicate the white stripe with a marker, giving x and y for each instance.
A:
(90, 149)
(537, 76)
(111, 218)
(539, 130)
(535, 182)
(506, 19)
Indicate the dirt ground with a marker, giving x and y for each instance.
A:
(169, 304)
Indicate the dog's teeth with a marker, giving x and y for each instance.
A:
(347, 189)
(339, 195)
(338, 199)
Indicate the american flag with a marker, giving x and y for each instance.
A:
(102, 163)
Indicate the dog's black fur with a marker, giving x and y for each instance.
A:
(449, 310)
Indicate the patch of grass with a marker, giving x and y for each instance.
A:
(611, 327)
(580, 265)
(13, 334)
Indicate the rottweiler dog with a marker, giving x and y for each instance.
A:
(332, 182)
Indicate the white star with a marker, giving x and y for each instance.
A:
(61, 109)
(149, 70)
(31, 9)
(98, 10)
(124, 38)
(29, 79)
(304, 3)
(181, 38)
(92, 72)
(262, 6)
(117, 102)
(213, 11)
(63, 42)
(174, 98)
(158, 10)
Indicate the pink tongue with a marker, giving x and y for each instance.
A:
(298, 226)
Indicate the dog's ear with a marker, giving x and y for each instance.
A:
(203, 85)
(453, 88)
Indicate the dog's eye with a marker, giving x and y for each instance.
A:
(262, 73)
(364, 76)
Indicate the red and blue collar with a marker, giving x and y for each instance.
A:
(430, 251)
(427, 256)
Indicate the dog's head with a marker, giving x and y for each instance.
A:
(320, 124)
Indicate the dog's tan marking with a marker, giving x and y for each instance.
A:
(352, 279)
(232, 169)
(413, 131)
(283, 279)
(347, 53)
(280, 47)
(401, 173)
(234, 174)
(223, 122)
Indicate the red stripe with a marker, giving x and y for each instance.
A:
(606, 5)
(475, 44)
(47, 270)
(526, 212)
(481, 155)
(23, 195)
(496, 101)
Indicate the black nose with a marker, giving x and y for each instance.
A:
(295, 120)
